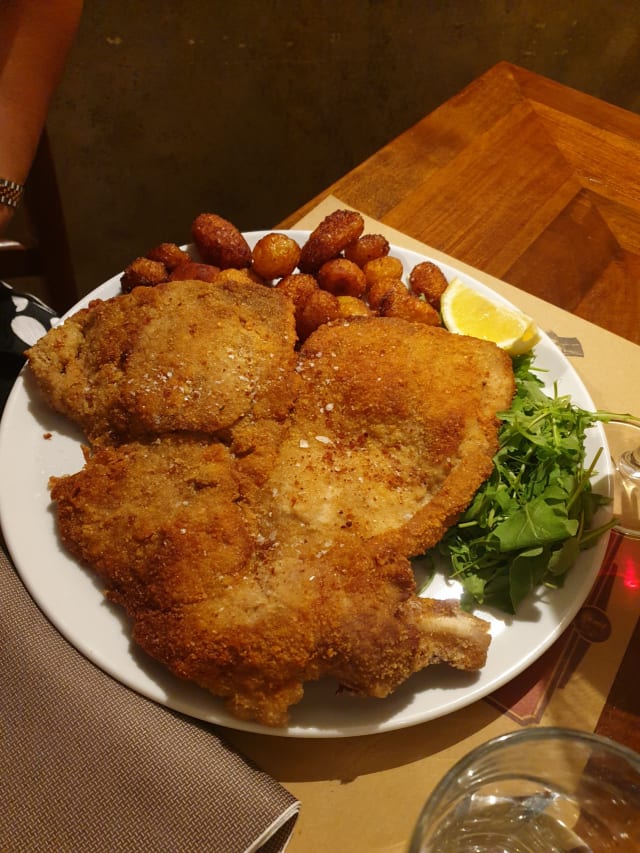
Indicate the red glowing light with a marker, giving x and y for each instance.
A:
(630, 571)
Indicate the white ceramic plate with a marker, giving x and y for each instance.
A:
(35, 444)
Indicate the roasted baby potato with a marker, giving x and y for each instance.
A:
(367, 248)
(275, 256)
(143, 273)
(427, 279)
(219, 242)
(342, 278)
(169, 254)
(329, 238)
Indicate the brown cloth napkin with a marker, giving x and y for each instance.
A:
(88, 765)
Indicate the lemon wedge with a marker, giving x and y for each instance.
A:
(465, 311)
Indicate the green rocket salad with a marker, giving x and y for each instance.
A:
(529, 521)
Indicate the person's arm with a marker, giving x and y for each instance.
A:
(35, 38)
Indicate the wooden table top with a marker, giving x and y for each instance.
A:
(525, 179)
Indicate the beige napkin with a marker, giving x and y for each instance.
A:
(88, 765)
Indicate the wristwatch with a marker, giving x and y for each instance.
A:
(10, 193)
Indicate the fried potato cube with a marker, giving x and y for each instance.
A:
(399, 302)
(275, 256)
(367, 248)
(220, 243)
(169, 254)
(427, 279)
(329, 238)
(319, 308)
(143, 273)
(351, 306)
(378, 289)
(192, 271)
(298, 287)
(242, 276)
(342, 278)
(385, 267)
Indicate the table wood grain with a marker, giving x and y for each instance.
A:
(525, 179)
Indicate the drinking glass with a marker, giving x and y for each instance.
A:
(624, 440)
(542, 790)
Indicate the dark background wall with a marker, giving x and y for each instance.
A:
(248, 108)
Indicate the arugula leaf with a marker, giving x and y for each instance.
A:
(529, 521)
(542, 521)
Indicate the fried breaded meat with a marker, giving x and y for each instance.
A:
(275, 551)
(393, 430)
(245, 604)
(178, 356)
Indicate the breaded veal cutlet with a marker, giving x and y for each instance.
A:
(188, 356)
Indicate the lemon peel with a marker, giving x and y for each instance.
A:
(466, 311)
